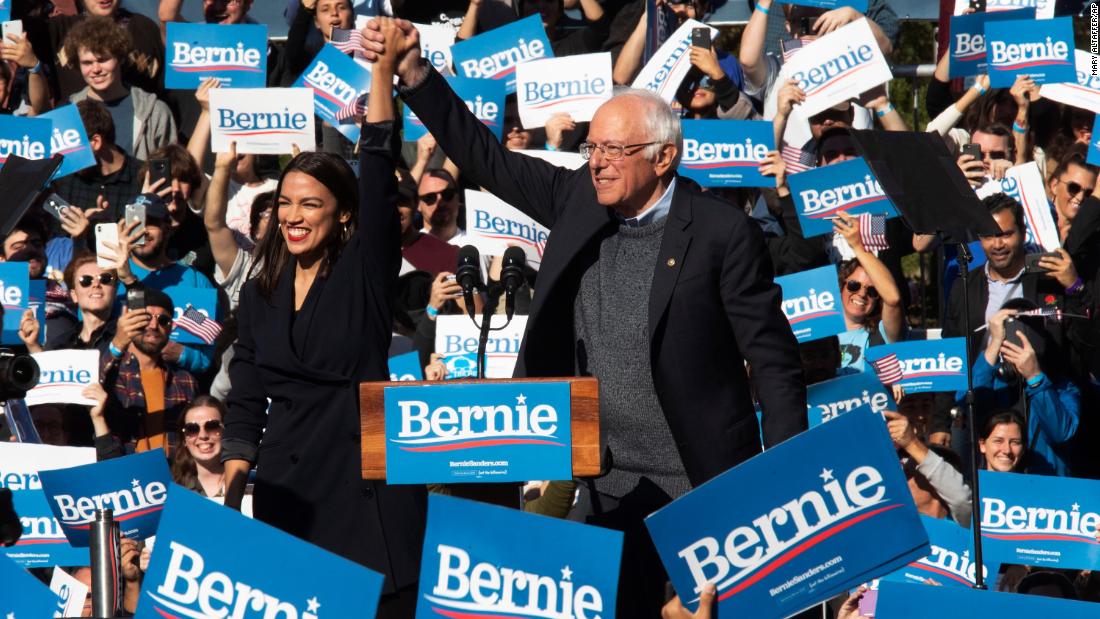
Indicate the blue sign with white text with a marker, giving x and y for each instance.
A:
(406, 367)
(790, 527)
(15, 295)
(133, 486)
(336, 80)
(69, 140)
(22, 595)
(28, 138)
(204, 300)
(1041, 520)
(850, 186)
(906, 601)
(928, 365)
(726, 153)
(1041, 49)
(5, 10)
(234, 566)
(483, 561)
(488, 432)
(827, 400)
(43, 543)
(1094, 143)
(235, 54)
(968, 56)
(494, 54)
(949, 562)
(485, 98)
(811, 302)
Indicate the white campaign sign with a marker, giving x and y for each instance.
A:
(493, 225)
(562, 159)
(457, 335)
(1044, 9)
(1025, 184)
(71, 594)
(575, 85)
(837, 67)
(435, 45)
(264, 121)
(63, 376)
(667, 68)
(1085, 93)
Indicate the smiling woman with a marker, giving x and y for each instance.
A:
(197, 464)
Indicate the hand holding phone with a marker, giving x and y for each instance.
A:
(54, 204)
(700, 37)
(136, 212)
(974, 150)
(105, 257)
(159, 169)
(1031, 262)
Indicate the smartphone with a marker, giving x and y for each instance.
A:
(105, 233)
(54, 204)
(135, 298)
(974, 150)
(867, 603)
(700, 37)
(978, 6)
(805, 28)
(14, 26)
(136, 211)
(1031, 262)
(160, 168)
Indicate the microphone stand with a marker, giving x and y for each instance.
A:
(494, 292)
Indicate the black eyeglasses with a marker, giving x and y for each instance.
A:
(431, 198)
(854, 286)
(86, 281)
(164, 320)
(212, 426)
(997, 154)
(1075, 188)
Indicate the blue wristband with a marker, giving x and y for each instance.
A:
(550, 148)
(1017, 128)
(36, 69)
(431, 311)
(1036, 380)
(886, 110)
(762, 9)
(115, 352)
(981, 91)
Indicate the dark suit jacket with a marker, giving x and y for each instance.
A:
(712, 305)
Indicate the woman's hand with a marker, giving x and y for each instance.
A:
(556, 127)
(773, 165)
(443, 290)
(850, 608)
(1021, 90)
(28, 331)
(17, 48)
(675, 610)
(1022, 355)
(161, 188)
(202, 93)
(848, 227)
(789, 95)
(831, 20)
(706, 60)
(436, 369)
(1060, 268)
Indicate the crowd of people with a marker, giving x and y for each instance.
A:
(662, 290)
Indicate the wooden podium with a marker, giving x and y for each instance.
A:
(584, 405)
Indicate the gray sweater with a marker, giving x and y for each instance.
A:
(154, 125)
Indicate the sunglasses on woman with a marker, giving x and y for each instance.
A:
(212, 426)
(1075, 188)
(105, 279)
(431, 198)
(854, 287)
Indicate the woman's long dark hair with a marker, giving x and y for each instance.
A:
(271, 255)
(1001, 416)
(184, 470)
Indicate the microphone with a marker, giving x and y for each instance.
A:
(511, 275)
(468, 275)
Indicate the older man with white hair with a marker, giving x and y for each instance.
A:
(656, 288)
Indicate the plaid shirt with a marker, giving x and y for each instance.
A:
(125, 410)
(119, 189)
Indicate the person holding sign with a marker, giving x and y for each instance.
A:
(327, 270)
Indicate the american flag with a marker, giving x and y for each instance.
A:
(352, 109)
(198, 325)
(797, 159)
(888, 369)
(347, 41)
(872, 231)
(793, 46)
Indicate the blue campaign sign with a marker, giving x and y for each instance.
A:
(1041, 49)
(485, 98)
(848, 186)
(483, 561)
(907, 601)
(235, 54)
(1041, 520)
(22, 595)
(790, 527)
(928, 365)
(462, 365)
(494, 54)
(135, 487)
(406, 367)
(811, 302)
(205, 300)
(1094, 144)
(727, 153)
(15, 295)
(968, 56)
(825, 401)
(336, 80)
(69, 140)
(5, 10)
(487, 432)
(43, 543)
(949, 562)
(859, 5)
(234, 566)
(28, 138)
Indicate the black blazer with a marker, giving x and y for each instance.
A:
(713, 303)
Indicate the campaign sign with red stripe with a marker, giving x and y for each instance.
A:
(236, 54)
(69, 140)
(486, 432)
(335, 80)
(811, 302)
(495, 54)
(950, 562)
(263, 121)
(726, 153)
(24, 137)
(849, 186)
(210, 561)
(910, 601)
(968, 40)
(1041, 520)
(574, 85)
(1041, 49)
(927, 365)
(790, 528)
(134, 487)
(485, 98)
(22, 595)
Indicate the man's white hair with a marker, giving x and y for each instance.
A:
(663, 123)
